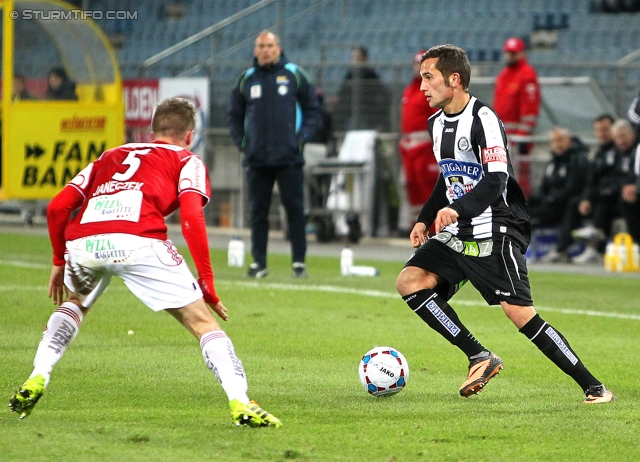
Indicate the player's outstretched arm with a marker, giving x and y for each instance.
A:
(58, 214)
(194, 231)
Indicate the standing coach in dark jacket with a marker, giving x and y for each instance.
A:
(273, 110)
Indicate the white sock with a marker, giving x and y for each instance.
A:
(61, 329)
(221, 359)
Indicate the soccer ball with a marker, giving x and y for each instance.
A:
(383, 371)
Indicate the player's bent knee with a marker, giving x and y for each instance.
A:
(517, 314)
(72, 298)
(410, 279)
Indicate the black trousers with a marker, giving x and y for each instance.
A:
(565, 216)
(603, 211)
(290, 180)
(631, 213)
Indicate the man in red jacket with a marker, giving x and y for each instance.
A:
(419, 165)
(119, 230)
(517, 102)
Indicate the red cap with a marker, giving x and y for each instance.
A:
(418, 57)
(514, 45)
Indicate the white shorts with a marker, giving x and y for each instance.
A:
(153, 270)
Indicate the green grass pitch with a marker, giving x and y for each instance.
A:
(147, 396)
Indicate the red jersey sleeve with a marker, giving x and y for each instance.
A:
(195, 233)
(58, 213)
(194, 178)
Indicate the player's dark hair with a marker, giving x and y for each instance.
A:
(451, 60)
(173, 117)
(602, 117)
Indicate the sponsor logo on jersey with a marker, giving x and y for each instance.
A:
(451, 167)
(494, 154)
(448, 130)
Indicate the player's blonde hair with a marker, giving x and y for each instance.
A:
(173, 117)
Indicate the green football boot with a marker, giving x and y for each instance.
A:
(252, 414)
(26, 398)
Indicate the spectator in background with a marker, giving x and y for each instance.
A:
(631, 196)
(633, 114)
(631, 200)
(560, 190)
(598, 201)
(60, 86)
(517, 102)
(362, 102)
(272, 111)
(324, 132)
(606, 206)
(420, 170)
(20, 91)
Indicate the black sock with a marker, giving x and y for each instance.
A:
(439, 315)
(555, 347)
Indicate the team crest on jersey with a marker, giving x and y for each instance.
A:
(457, 188)
(463, 144)
(283, 89)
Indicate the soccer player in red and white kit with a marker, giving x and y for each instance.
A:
(120, 230)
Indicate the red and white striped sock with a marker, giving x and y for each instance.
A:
(221, 359)
(61, 329)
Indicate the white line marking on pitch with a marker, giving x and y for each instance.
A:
(380, 294)
(335, 290)
(24, 264)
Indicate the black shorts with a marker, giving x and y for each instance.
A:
(499, 276)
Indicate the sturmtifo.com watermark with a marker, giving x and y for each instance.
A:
(69, 15)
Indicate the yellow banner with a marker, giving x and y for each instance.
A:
(48, 143)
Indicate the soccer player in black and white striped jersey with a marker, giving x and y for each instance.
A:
(483, 230)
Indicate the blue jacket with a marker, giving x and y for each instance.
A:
(272, 111)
